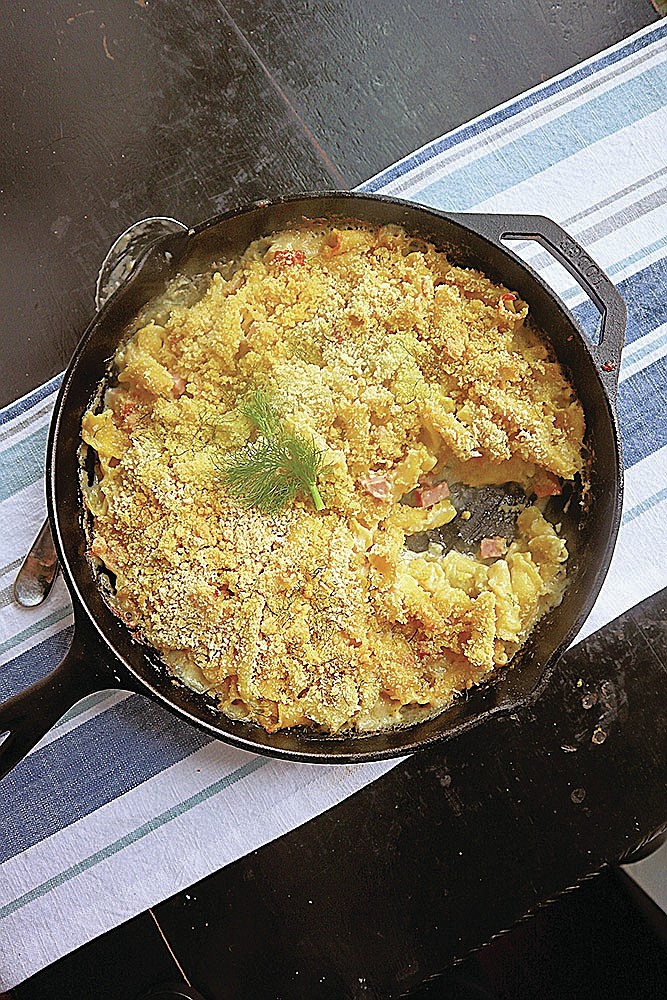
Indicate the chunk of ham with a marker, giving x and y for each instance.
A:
(179, 385)
(426, 496)
(492, 548)
(125, 406)
(377, 485)
(548, 487)
(100, 549)
(288, 258)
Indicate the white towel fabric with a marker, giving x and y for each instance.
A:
(122, 804)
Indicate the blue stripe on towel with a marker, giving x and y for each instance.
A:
(140, 739)
(641, 400)
(109, 850)
(641, 412)
(644, 505)
(31, 399)
(38, 626)
(493, 118)
(34, 664)
(497, 171)
(645, 295)
(17, 472)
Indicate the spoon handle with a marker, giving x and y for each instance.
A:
(39, 569)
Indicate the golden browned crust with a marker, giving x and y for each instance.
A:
(400, 367)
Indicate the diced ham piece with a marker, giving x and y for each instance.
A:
(288, 258)
(549, 487)
(426, 496)
(128, 414)
(492, 548)
(101, 550)
(179, 386)
(377, 485)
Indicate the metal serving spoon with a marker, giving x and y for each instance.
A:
(40, 567)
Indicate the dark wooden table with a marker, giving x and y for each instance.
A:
(113, 111)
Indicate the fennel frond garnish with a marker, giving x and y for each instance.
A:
(270, 472)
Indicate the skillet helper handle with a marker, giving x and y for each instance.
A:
(29, 715)
(573, 257)
(127, 249)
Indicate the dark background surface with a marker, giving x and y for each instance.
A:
(112, 111)
(117, 110)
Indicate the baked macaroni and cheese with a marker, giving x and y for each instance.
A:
(286, 464)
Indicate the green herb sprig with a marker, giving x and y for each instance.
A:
(270, 472)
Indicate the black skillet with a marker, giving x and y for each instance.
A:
(104, 654)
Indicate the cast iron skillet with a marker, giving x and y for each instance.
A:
(105, 655)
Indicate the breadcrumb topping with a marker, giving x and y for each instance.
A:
(407, 373)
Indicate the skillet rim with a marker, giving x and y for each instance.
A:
(336, 749)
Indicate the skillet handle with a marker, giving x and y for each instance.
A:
(31, 713)
(127, 249)
(573, 257)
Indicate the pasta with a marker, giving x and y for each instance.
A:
(406, 375)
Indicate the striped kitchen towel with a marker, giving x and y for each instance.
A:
(120, 782)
